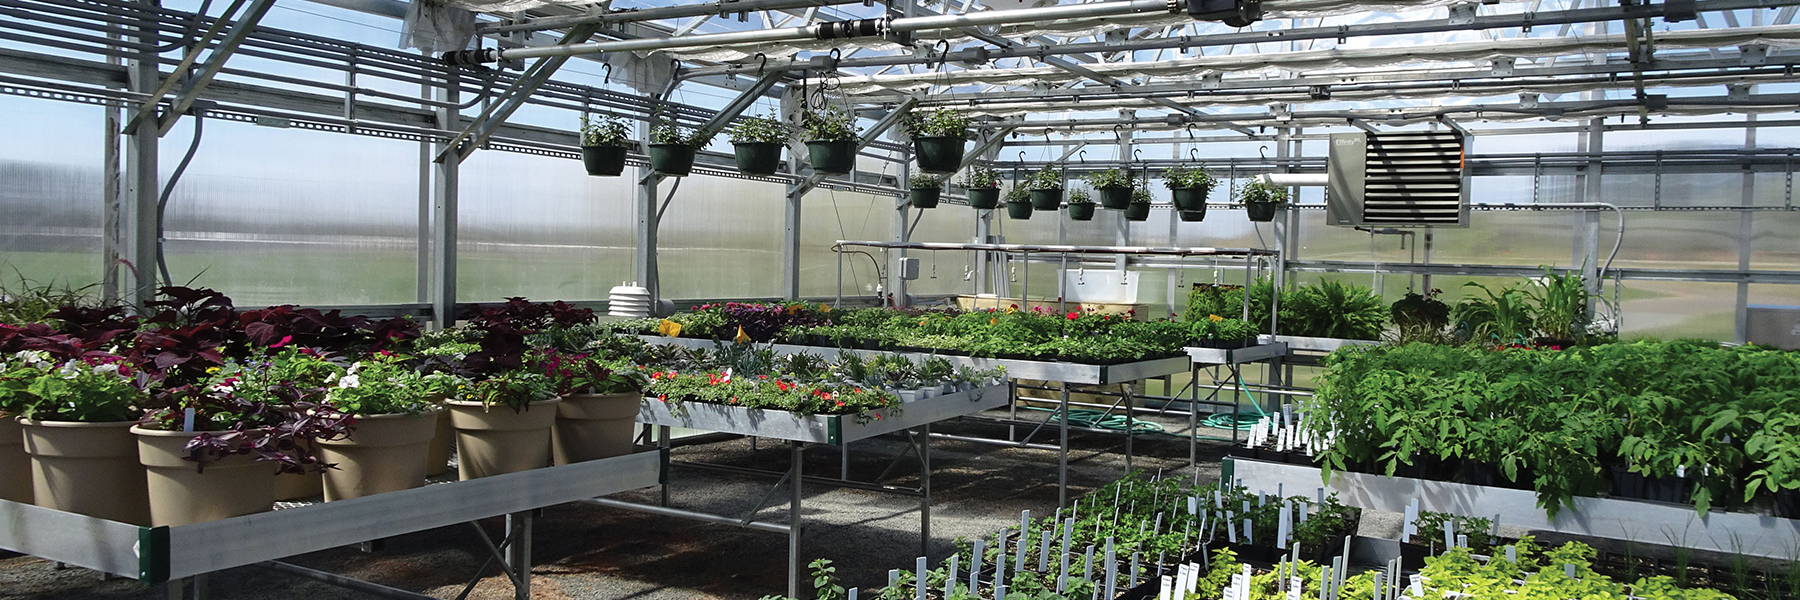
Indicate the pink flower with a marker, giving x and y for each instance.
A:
(284, 341)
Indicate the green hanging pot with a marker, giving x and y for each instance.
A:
(1018, 210)
(1262, 212)
(939, 154)
(603, 161)
(1190, 198)
(925, 197)
(674, 160)
(1138, 211)
(1081, 211)
(832, 157)
(1191, 216)
(757, 158)
(1046, 199)
(1115, 198)
(984, 198)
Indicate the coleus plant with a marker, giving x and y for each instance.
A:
(226, 423)
(590, 374)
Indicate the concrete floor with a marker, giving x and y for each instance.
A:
(585, 551)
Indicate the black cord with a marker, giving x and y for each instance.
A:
(162, 203)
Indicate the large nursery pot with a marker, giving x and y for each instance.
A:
(984, 198)
(182, 494)
(437, 455)
(1115, 198)
(15, 464)
(594, 426)
(1081, 211)
(1018, 210)
(1261, 212)
(1190, 199)
(87, 468)
(1046, 199)
(1191, 216)
(603, 161)
(925, 197)
(757, 158)
(833, 157)
(501, 440)
(1138, 211)
(384, 453)
(939, 154)
(675, 160)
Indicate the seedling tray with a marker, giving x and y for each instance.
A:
(1066, 372)
(819, 429)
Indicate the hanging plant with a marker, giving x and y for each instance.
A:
(938, 139)
(673, 146)
(1115, 187)
(1018, 203)
(1190, 186)
(1140, 205)
(1046, 187)
(1081, 205)
(1261, 200)
(604, 138)
(926, 189)
(983, 186)
(757, 142)
(830, 140)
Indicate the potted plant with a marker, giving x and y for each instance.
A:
(1189, 187)
(1191, 216)
(926, 189)
(213, 453)
(393, 422)
(503, 424)
(1046, 187)
(983, 186)
(604, 139)
(672, 147)
(1261, 200)
(599, 406)
(1081, 206)
(16, 376)
(1018, 203)
(758, 142)
(939, 139)
(1140, 205)
(76, 425)
(830, 140)
(1115, 187)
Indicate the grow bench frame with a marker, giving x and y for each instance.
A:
(914, 418)
(173, 556)
(1063, 374)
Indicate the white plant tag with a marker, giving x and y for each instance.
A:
(187, 419)
(1167, 588)
(920, 583)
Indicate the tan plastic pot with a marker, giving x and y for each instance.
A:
(87, 468)
(385, 453)
(500, 440)
(292, 486)
(594, 426)
(15, 464)
(437, 457)
(180, 494)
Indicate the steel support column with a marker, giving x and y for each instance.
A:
(137, 222)
(444, 197)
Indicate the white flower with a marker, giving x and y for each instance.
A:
(349, 381)
(69, 369)
(331, 378)
(356, 366)
(108, 368)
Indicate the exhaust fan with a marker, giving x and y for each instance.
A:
(1410, 179)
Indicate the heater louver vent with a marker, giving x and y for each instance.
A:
(1398, 180)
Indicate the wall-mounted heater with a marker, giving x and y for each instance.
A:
(1411, 179)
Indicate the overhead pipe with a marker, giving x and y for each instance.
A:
(719, 7)
(859, 28)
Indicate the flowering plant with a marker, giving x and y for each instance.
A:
(588, 374)
(512, 389)
(89, 391)
(380, 385)
(227, 423)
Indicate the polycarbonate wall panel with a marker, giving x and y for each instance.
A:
(827, 216)
(1775, 245)
(1678, 309)
(50, 193)
(1674, 240)
(277, 216)
(721, 238)
(541, 228)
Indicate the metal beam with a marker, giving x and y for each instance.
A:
(512, 99)
(190, 91)
(719, 7)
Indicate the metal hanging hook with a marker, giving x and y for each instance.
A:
(1194, 153)
(608, 79)
(1081, 157)
(943, 54)
(1137, 154)
(1262, 151)
(761, 65)
(1190, 130)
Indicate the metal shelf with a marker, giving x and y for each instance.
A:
(1065, 372)
(1236, 356)
(819, 429)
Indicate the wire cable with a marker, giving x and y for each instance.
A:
(162, 202)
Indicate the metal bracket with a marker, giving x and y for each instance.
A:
(1502, 67)
(1753, 55)
(1212, 81)
(1528, 100)
(1462, 14)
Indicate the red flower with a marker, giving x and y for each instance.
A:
(662, 397)
(284, 341)
(1072, 316)
(840, 403)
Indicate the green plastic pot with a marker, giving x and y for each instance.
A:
(1115, 198)
(939, 154)
(925, 197)
(674, 160)
(1190, 198)
(1046, 199)
(757, 158)
(1081, 211)
(1262, 212)
(1191, 216)
(603, 161)
(836, 158)
(1018, 210)
(1138, 211)
(984, 198)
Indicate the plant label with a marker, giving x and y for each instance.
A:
(1044, 550)
(1284, 526)
(1218, 500)
(1167, 588)
(1087, 559)
(1024, 539)
(950, 579)
(1230, 531)
(1248, 539)
(893, 577)
(1450, 533)
(1569, 570)
(1193, 506)
(1418, 586)
(1293, 592)
(852, 593)
(1062, 580)
(976, 560)
(1512, 554)
(920, 583)
(1000, 567)
(1132, 580)
(1000, 592)
(1112, 571)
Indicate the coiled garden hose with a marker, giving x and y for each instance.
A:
(1240, 421)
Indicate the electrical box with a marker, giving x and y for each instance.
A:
(1772, 325)
(909, 268)
(1400, 179)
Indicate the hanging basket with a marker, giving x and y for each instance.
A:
(1116, 198)
(1191, 198)
(674, 160)
(757, 158)
(603, 161)
(1046, 199)
(1262, 212)
(925, 197)
(939, 154)
(1018, 210)
(1138, 211)
(1081, 211)
(1191, 216)
(835, 158)
(984, 198)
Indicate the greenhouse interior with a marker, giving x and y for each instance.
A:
(899, 299)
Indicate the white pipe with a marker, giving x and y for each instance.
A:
(1030, 15)
(1287, 179)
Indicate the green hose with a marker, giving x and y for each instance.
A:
(1240, 422)
(1101, 420)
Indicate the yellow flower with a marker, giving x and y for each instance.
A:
(212, 370)
(1214, 318)
(1011, 309)
(742, 338)
(669, 328)
(994, 321)
(824, 307)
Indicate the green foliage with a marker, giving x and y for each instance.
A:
(825, 581)
(1503, 317)
(926, 181)
(828, 125)
(1018, 194)
(604, 130)
(1180, 177)
(34, 388)
(1141, 196)
(763, 130)
(1333, 309)
(515, 390)
(1420, 317)
(1047, 178)
(1080, 197)
(942, 122)
(977, 176)
(32, 302)
(1257, 192)
(664, 129)
(1431, 530)
(1114, 178)
(380, 385)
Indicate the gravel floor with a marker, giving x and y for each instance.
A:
(585, 551)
